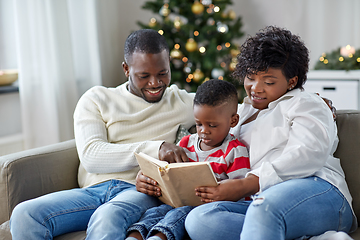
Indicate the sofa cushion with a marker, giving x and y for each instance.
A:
(348, 122)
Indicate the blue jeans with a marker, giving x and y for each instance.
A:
(165, 219)
(106, 210)
(288, 210)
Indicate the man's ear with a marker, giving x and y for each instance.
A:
(234, 120)
(126, 69)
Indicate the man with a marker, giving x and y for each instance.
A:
(141, 115)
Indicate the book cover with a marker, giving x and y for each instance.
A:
(177, 181)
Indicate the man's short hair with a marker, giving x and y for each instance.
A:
(215, 92)
(144, 41)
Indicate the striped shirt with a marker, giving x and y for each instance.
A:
(228, 161)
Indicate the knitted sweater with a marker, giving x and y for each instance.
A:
(111, 123)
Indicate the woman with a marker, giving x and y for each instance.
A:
(298, 187)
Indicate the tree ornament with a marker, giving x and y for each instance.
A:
(197, 8)
(232, 14)
(164, 10)
(234, 52)
(177, 23)
(206, 2)
(217, 72)
(210, 21)
(191, 45)
(198, 75)
(222, 27)
(176, 53)
(233, 64)
(152, 22)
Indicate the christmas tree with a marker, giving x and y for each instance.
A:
(200, 35)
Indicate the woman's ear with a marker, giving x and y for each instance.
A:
(126, 69)
(292, 82)
(234, 120)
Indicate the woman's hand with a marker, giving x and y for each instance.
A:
(147, 185)
(229, 190)
(171, 153)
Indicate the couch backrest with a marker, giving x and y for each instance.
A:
(348, 122)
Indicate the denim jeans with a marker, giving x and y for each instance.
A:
(105, 210)
(288, 210)
(165, 219)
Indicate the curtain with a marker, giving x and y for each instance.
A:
(58, 59)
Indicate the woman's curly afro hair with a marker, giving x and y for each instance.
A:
(273, 47)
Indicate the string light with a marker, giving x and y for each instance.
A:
(341, 59)
(219, 47)
(227, 44)
(196, 33)
(216, 9)
(202, 49)
(161, 32)
(177, 46)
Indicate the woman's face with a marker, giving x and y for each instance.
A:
(265, 87)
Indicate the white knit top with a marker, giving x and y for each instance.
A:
(111, 123)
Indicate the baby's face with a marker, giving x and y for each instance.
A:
(212, 124)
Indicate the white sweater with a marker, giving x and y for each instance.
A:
(111, 123)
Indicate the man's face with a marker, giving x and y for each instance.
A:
(149, 75)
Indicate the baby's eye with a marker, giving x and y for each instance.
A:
(269, 83)
(212, 126)
(144, 76)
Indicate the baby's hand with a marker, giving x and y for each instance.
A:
(147, 185)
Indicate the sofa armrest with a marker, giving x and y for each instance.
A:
(35, 172)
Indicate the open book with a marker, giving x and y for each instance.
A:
(177, 181)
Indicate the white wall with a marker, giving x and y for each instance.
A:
(324, 25)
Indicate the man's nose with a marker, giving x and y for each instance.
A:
(154, 81)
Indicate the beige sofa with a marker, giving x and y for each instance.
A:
(32, 173)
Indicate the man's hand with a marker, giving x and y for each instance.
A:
(147, 185)
(171, 153)
(330, 105)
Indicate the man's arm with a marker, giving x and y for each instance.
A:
(96, 153)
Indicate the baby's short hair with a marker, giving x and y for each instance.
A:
(215, 92)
